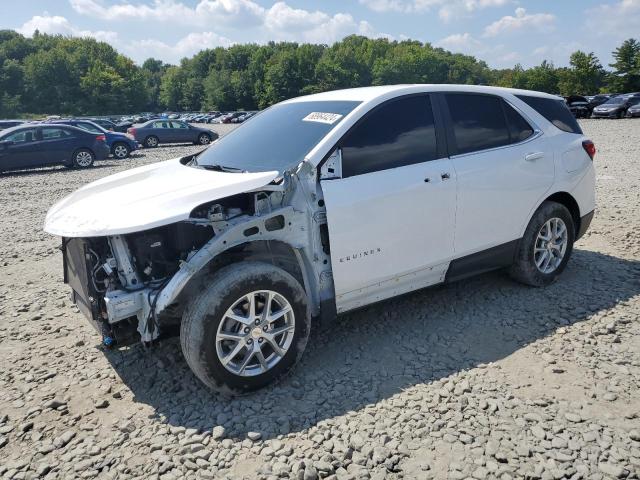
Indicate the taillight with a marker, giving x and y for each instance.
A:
(132, 131)
(590, 148)
(101, 138)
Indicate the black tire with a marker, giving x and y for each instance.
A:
(524, 269)
(82, 158)
(151, 141)
(120, 150)
(204, 139)
(206, 310)
(620, 114)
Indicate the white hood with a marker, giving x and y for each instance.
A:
(144, 198)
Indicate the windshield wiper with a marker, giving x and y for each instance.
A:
(222, 168)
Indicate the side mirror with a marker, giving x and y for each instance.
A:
(332, 168)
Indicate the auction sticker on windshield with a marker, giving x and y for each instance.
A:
(322, 117)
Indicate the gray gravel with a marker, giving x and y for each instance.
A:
(484, 378)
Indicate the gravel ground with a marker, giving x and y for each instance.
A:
(483, 378)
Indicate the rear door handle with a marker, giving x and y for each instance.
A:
(531, 157)
(445, 176)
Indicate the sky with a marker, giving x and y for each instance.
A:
(500, 32)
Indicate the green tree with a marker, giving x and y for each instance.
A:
(152, 72)
(585, 75)
(626, 67)
(542, 78)
(171, 88)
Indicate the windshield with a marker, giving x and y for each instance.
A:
(277, 138)
(614, 101)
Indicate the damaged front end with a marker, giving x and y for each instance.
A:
(115, 280)
(135, 286)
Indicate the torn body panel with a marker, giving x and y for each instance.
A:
(147, 277)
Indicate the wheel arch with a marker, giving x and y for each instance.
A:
(566, 199)
(274, 252)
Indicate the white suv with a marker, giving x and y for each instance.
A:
(320, 205)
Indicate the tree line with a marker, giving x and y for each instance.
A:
(67, 75)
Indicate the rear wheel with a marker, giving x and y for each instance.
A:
(247, 329)
(120, 150)
(151, 142)
(83, 158)
(545, 247)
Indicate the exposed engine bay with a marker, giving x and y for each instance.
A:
(130, 285)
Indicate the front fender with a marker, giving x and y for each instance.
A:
(293, 233)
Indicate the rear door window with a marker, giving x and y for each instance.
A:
(554, 110)
(161, 125)
(478, 122)
(519, 128)
(49, 133)
(400, 132)
(178, 125)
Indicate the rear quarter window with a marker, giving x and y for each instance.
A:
(555, 111)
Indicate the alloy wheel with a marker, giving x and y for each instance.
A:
(255, 333)
(120, 151)
(551, 245)
(83, 159)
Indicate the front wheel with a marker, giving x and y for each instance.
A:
(120, 150)
(546, 246)
(83, 158)
(204, 139)
(247, 329)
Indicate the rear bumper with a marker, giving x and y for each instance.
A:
(585, 222)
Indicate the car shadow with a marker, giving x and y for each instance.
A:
(381, 350)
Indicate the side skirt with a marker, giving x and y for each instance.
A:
(484, 261)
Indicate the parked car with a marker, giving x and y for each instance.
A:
(615, 107)
(112, 126)
(4, 124)
(39, 145)
(599, 100)
(154, 132)
(634, 110)
(215, 118)
(120, 144)
(321, 205)
(229, 118)
(579, 106)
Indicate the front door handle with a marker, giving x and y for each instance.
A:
(531, 157)
(445, 176)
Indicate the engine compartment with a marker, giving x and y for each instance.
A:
(117, 278)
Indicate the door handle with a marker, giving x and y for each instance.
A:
(445, 176)
(531, 157)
